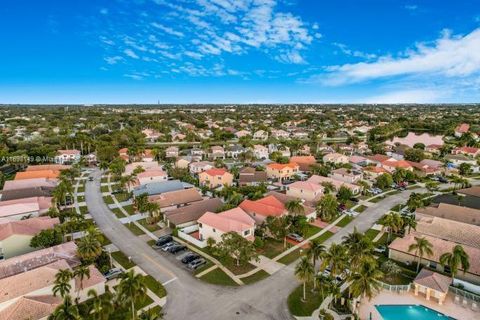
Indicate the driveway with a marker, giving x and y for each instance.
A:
(189, 297)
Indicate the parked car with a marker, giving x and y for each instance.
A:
(167, 246)
(354, 199)
(442, 179)
(190, 257)
(195, 264)
(90, 178)
(177, 248)
(162, 241)
(380, 249)
(295, 237)
(113, 273)
(351, 213)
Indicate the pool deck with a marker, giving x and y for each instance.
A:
(449, 308)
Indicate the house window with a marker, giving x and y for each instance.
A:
(213, 230)
(246, 232)
(433, 265)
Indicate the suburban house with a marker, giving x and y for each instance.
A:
(55, 167)
(214, 225)
(461, 129)
(197, 153)
(20, 208)
(260, 209)
(347, 175)
(280, 134)
(433, 148)
(174, 199)
(260, 135)
(155, 188)
(15, 235)
(242, 133)
(336, 183)
(145, 165)
(468, 151)
(215, 178)
(391, 165)
(149, 176)
(37, 307)
(217, 152)
(34, 192)
(260, 152)
(373, 172)
(123, 154)
(200, 166)
(304, 162)
(188, 215)
(30, 183)
(452, 212)
(151, 135)
(234, 151)
(171, 152)
(307, 191)
(376, 159)
(423, 169)
(67, 156)
(309, 212)
(335, 158)
(282, 171)
(147, 155)
(358, 161)
(47, 174)
(251, 177)
(457, 160)
(183, 162)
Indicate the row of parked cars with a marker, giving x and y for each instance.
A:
(192, 260)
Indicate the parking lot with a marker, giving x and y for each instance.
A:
(179, 253)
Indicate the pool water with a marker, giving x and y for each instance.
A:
(409, 312)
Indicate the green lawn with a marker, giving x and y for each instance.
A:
(257, 276)
(291, 257)
(104, 180)
(133, 227)
(231, 265)
(361, 208)
(122, 196)
(104, 189)
(377, 199)
(271, 248)
(81, 188)
(305, 308)
(204, 267)
(105, 240)
(108, 200)
(143, 303)
(397, 207)
(155, 286)
(324, 236)
(80, 198)
(129, 209)
(218, 277)
(311, 231)
(346, 220)
(383, 239)
(150, 227)
(371, 233)
(83, 209)
(122, 259)
(413, 187)
(118, 213)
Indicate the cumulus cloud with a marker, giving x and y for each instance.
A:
(131, 53)
(449, 56)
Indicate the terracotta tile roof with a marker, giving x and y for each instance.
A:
(268, 206)
(49, 174)
(28, 227)
(284, 199)
(65, 251)
(375, 169)
(30, 183)
(397, 164)
(177, 197)
(48, 167)
(21, 206)
(192, 211)
(439, 247)
(469, 150)
(71, 151)
(6, 195)
(152, 173)
(433, 280)
(281, 166)
(462, 128)
(231, 220)
(95, 278)
(357, 159)
(303, 159)
(336, 183)
(26, 282)
(31, 307)
(473, 191)
(305, 185)
(449, 230)
(453, 212)
(216, 172)
(378, 158)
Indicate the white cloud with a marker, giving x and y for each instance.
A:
(450, 56)
(354, 53)
(167, 30)
(104, 11)
(411, 7)
(113, 60)
(131, 53)
(407, 96)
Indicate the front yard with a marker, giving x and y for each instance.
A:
(218, 277)
(301, 308)
(123, 260)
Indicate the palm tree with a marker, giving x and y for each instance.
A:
(328, 187)
(68, 310)
(81, 272)
(421, 247)
(335, 291)
(365, 280)
(410, 222)
(62, 284)
(140, 202)
(150, 314)
(315, 252)
(89, 247)
(131, 289)
(235, 198)
(393, 222)
(335, 258)
(323, 282)
(295, 207)
(327, 207)
(456, 259)
(360, 248)
(154, 211)
(304, 272)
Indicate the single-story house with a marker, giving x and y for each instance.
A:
(250, 177)
(19, 208)
(33, 192)
(214, 225)
(336, 183)
(155, 188)
(67, 156)
(174, 199)
(304, 162)
(188, 215)
(46, 174)
(347, 175)
(452, 212)
(336, 158)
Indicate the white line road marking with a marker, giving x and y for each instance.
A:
(167, 282)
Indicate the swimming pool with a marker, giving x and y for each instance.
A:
(409, 312)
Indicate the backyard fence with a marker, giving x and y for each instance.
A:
(394, 288)
(465, 294)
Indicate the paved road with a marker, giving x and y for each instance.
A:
(190, 298)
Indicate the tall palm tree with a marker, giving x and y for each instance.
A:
(328, 187)
(131, 289)
(335, 258)
(295, 207)
(62, 284)
(359, 248)
(421, 247)
(315, 252)
(323, 282)
(89, 247)
(327, 207)
(140, 202)
(456, 259)
(68, 310)
(81, 273)
(151, 314)
(154, 211)
(364, 281)
(235, 198)
(409, 222)
(393, 222)
(304, 272)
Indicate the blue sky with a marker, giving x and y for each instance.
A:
(239, 51)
